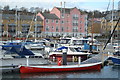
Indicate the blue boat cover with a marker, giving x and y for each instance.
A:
(19, 49)
(63, 47)
(87, 47)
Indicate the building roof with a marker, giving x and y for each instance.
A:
(8, 16)
(67, 10)
(38, 18)
(50, 16)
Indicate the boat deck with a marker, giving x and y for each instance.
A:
(101, 57)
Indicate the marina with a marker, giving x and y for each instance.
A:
(63, 43)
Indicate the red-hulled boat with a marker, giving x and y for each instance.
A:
(62, 68)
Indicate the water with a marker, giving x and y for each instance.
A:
(107, 72)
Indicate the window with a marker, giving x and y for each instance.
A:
(57, 21)
(62, 29)
(75, 29)
(62, 22)
(53, 21)
(75, 23)
(75, 16)
(47, 21)
(47, 28)
(62, 15)
(52, 27)
(57, 28)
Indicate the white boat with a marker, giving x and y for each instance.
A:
(83, 43)
(35, 46)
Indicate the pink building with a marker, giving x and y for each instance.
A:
(51, 24)
(72, 22)
(64, 21)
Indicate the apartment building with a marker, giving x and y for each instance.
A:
(72, 22)
(51, 24)
(20, 25)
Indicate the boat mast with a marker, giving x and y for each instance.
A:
(18, 25)
(64, 17)
(60, 18)
(92, 27)
(91, 43)
(112, 20)
(16, 20)
(35, 28)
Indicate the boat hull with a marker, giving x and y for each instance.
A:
(30, 69)
(115, 60)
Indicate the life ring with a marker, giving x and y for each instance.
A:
(75, 59)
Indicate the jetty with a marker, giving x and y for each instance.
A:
(7, 65)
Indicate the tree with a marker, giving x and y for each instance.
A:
(32, 9)
(6, 7)
(0, 7)
(46, 11)
(37, 9)
(23, 9)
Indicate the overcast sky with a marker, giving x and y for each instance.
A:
(89, 5)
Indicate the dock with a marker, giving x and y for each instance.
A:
(7, 65)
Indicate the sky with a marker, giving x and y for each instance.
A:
(89, 5)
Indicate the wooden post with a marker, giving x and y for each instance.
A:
(79, 60)
(73, 58)
(64, 57)
(27, 60)
(53, 58)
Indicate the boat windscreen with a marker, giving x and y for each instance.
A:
(73, 49)
(64, 41)
(78, 49)
(77, 42)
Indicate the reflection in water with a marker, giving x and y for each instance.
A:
(58, 75)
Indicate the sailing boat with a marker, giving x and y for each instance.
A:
(115, 58)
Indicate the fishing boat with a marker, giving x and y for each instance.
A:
(62, 68)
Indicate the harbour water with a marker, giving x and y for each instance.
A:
(110, 72)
